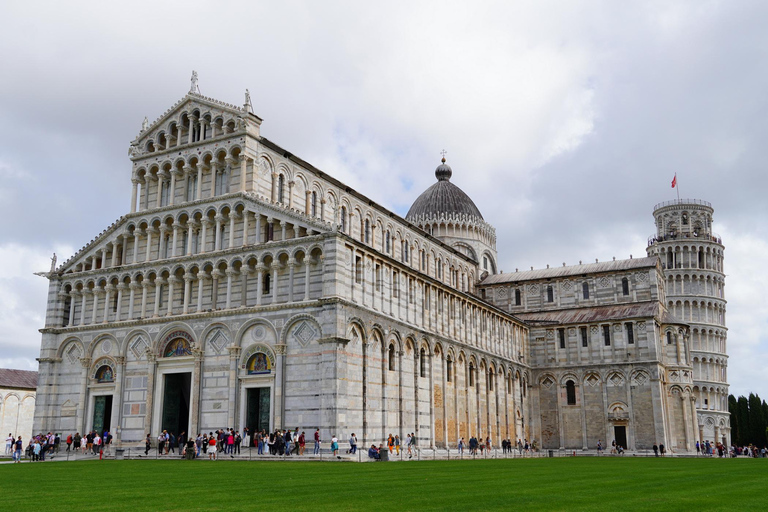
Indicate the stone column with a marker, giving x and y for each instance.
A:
(85, 364)
(217, 238)
(275, 267)
(259, 283)
(162, 246)
(232, 216)
(159, 282)
(257, 218)
(199, 184)
(160, 180)
(307, 263)
(244, 273)
(120, 289)
(194, 399)
(203, 236)
(431, 400)
(230, 273)
(191, 133)
(132, 299)
(443, 365)
(134, 193)
(99, 292)
(175, 241)
(234, 384)
(201, 277)
(172, 280)
(243, 173)
(151, 370)
(273, 195)
(283, 229)
(187, 291)
(73, 297)
(172, 192)
(190, 231)
(245, 227)
(215, 276)
(113, 260)
(136, 240)
(117, 408)
(150, 232)
(145, 284)
(104, 256)
(291, 269)
(307, 203)
(279, 408)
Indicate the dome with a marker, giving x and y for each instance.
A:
(443, 198)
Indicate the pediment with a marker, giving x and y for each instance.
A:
(94, 247)
(215, 111)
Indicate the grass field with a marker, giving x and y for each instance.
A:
(606, 483)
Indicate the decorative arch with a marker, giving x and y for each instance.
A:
(302, 329)
(103, 370)
(258, 330)
(257, 359)
(177, 343)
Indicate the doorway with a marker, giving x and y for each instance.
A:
(176, 393)
(257, 410)
(102, 413)
(620, 435)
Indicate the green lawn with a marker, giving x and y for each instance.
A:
(605, 483)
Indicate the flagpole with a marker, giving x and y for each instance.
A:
(678, 188)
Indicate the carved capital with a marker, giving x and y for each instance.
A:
(281, 349)
(85, 362)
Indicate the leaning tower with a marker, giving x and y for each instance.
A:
(692, 258)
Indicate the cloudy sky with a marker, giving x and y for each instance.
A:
(564, 121)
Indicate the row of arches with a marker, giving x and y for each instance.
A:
(255, 279)
(695, 284)
(190, 127)
(694, 311)
(703, 257)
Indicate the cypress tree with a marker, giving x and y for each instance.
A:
(756, 421)
(733, 408)
(743, 420)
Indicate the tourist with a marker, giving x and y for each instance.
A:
(170, 446)
(295, 438)
(335, 446)
(190, 450)
(9, 442)
(488, 445)
(212, 447)
(600, 446)
(391, 443)
(147, 445)
(655, 450)
(662, 450)
(198, 444)
(161, 443)
(36, 449)
(69, 442)
(288, 441)
(259, 443)
(352, 444)
(373, 453)
(107, 442)
(460, 447)
(698, 448)
(17, 452)
(230, 438)
(317, 441)
(238, 442)
(77, 441)
(302, 443)
(397, 444)
(96, 443)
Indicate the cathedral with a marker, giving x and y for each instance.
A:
(247, 288)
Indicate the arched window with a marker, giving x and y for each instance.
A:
(490, 380)
(423, 260)
(570, 391)
(422, 363)
(343, 220)
(104, 374)
(391, 358)
(448, 369)
(367, 231)
(314, 204)
(191, 186)
(585, 290)
(625, 286)
(280, 188)
(550, 294)
(177, 347)
(630, 333)
(439, 269)
(471, 374)
(669, 337)
(387, 243)
(517, 297)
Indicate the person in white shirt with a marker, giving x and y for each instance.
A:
(9, 443)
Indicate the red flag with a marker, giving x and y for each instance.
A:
(674, 181)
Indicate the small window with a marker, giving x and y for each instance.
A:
(485, 263)
(343, 219)
(269, 231)
(517, 297)
(607, 335)
(358, 270)
(387, 243)
(490, 381)
(585, 290)
(313, 204)
(471, 374)
(395, 285)
(550, 294)
(391, 358)
(448, 369)
(422, 364)
(367, 231)
(630, 334)
(265, 285)
(584, 338)
(280, 188)
(669, 337)
(561, 337)
(570, 391)
(625, 286)
(377, 275)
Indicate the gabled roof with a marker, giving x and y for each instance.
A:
(613, 312)
(573, 270)
(20, 379)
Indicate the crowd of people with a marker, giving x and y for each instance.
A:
(42, 445)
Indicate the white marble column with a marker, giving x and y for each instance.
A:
(217, 238)
(172, 280)
(307, 268)
(159, 282)
(132, 299)
(120, 289)
(134, 193)
(187, 291)
(145, 284)
(230, 273)
(259, 283)
(201, 277)
(245, 214)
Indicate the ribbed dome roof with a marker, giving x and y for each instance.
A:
(443, 197)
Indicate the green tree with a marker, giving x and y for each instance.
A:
(733, 407)
(742, 417)
(756, 421)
